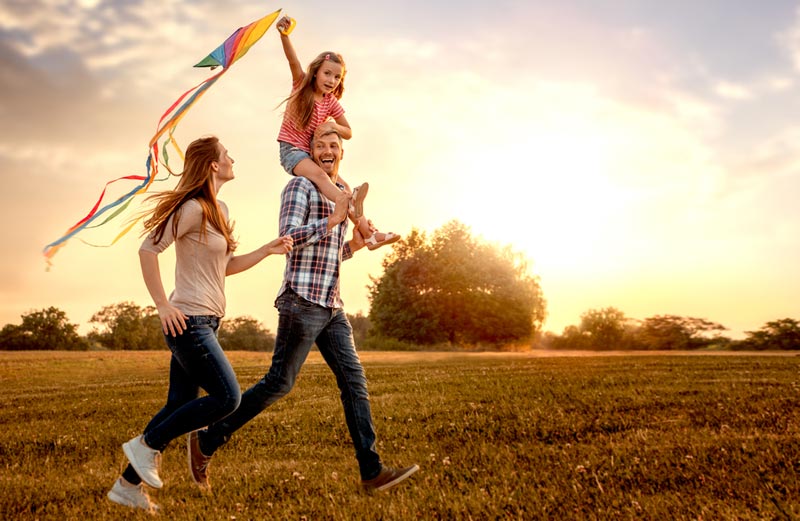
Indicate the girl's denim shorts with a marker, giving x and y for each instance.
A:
(291, 155)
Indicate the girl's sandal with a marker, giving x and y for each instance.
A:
(388, 238)
(357, 202)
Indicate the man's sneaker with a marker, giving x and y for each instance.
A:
(198, 462)
(388, 478)
(145, 460)
(123, 493)
(357, 202)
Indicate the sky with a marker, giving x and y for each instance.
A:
(642, 155)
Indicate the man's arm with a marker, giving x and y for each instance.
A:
(295, 209)
(353, 245)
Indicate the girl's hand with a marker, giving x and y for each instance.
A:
(285, 25)
(326, 127)
(173, 321)
(279, 246)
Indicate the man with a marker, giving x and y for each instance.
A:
(310, 310)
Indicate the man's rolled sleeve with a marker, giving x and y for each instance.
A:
(295, 204)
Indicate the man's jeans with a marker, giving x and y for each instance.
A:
(197, 362)
(300, 324)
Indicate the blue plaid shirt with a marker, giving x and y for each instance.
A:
(312, 267)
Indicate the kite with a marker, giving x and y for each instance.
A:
(223, 56)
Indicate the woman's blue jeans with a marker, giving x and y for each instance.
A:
(301, 324)
(198, 362)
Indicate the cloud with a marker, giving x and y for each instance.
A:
(36, 103)
(789, 40)
(732, 91)
(126, 46)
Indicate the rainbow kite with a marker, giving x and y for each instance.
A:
(223, 56)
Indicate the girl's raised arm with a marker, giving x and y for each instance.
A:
(288, 49)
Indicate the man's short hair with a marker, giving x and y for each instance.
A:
(327, 133)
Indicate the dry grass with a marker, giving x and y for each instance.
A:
(509, 436)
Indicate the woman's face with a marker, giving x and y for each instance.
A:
(224, 166)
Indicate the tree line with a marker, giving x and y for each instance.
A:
(447, 290)
(609, 328)
(122, 326)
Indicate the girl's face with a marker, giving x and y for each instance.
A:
(328, 77)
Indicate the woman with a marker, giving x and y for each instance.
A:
(194, 219)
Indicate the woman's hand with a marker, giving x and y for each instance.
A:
(173, 321)
(280, 246)
(240, 263)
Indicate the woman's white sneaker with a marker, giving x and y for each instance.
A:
(123, 493)
(144, 460)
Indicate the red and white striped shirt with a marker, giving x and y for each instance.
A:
(327, 107)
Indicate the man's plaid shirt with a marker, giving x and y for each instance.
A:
(312, 267)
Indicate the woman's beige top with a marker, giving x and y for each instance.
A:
(200, 263)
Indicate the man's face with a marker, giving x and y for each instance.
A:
(327, 153)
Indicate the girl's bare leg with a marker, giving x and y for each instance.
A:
(311, 171)
(374, 238)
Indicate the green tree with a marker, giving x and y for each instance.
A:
(572, 338)
(605, 328)
(127, 326)
(245, 334)
(777, 334)
(600, 329)
(671, 332)
(457, 289)
(361, 325)
(44, 329)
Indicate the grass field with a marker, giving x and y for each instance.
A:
(502, 436)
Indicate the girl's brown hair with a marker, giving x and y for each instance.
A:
(196, 182)
(300, 104)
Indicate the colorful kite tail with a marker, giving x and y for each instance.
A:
(234, 47)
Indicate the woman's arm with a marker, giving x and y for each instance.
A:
(240, 263)
(173, 321)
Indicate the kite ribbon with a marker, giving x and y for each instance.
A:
(234, 47)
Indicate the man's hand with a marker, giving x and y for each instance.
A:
(340, 210)
(357, 242)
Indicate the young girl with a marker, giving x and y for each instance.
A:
(312, 108)
(194, 219)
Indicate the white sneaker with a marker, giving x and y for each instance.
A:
(145, 460)
(123, 493)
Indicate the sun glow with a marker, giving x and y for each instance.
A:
(548, 193)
